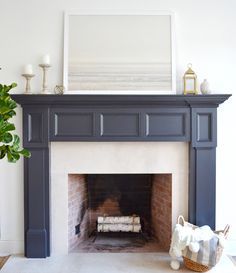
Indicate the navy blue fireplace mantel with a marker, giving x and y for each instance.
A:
(49, 118)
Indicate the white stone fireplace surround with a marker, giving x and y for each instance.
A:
(113, 157)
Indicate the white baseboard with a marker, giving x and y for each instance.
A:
(11, 247)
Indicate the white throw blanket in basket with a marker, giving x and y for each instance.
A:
(188, 240)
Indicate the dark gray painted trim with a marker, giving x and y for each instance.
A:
(205, 186)
(204, 127)
(202, 186)
(167, 124)
(70, 123)
(110, 124)
(35, 127)
(153, 118)
(122, 100)
(192, 185)
(37, 208)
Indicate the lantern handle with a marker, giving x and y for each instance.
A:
(190, 65)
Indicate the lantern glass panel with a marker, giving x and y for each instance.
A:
(190, 84)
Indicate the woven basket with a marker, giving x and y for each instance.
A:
(195, 266)
(192, 265)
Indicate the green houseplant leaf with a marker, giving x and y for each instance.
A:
(9, 142)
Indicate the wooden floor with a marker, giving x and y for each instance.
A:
(3, 260)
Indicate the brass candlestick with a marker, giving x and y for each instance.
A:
(28, 77)
(45, 68)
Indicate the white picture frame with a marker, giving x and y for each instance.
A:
(135, 88)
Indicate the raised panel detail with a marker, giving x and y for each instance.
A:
(35, 126)
(119, 125)
(204, 127)
(73, 124)
(167, 125)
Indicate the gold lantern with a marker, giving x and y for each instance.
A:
(190, 81)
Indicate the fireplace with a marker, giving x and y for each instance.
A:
(114, 118)
(143, 197)
(116, 159)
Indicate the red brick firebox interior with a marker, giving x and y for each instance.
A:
(146, 195)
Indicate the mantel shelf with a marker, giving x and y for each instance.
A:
(173, 100)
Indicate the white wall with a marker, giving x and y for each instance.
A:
(206, 37)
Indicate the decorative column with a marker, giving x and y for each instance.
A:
(36, 182)
(202, 178)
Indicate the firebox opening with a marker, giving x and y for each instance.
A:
(119, 212)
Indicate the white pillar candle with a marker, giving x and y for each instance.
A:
(28, 69)
(46, 59)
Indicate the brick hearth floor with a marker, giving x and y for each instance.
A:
(104, 263)
(99, 245)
